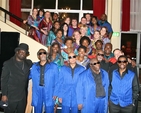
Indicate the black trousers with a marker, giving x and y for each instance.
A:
(118, 109)
(16, 107)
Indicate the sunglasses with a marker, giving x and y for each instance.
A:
(70, 57)
(94, 63)
(42, 53)
(100, 54)
(122, 61)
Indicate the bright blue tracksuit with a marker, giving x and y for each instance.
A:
(86, 93)
(67, 87)
(44, 94)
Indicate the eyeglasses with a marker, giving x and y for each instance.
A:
(100, 54)
(70, 57)
(94, 63)
(122, 61)
(42, 53)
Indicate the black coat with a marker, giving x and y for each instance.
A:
(14, 80)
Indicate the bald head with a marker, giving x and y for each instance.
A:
(95, 65)
(93, 60)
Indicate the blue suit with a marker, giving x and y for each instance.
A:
(86, 93)
(67, 87)
(44, 94)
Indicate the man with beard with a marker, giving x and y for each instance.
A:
(44, 77)
(14, 80)
(92, 89)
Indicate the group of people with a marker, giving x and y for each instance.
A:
(47, 29)
(107, 80)
(79, 70)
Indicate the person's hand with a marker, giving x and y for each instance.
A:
(60, 100)
(36, 28)
(80, 106)
(4, 98)
(133, 63)
(54, 97)
(24, 21)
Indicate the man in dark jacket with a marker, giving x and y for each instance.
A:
(14, 80)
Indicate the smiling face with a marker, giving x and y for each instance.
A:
(81, 52)
(55, 48)
(59, 34)
(122, 63)
(74, 22)
(67, 20)
(94, 21)
(95, 65)
(98, 45)
(65, 27)
(21, 54)
(103, 31)
(77, 35)
(57, 25)
(69, 43)
(42, 55)
(47, 15)
(108, 48)
(83, 21)
(85, 43)
(97, 35)
(34, 12)
(88, 17)
(100, 55)
(72, 58)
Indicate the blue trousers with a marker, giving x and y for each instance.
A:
(100, 106)
(66, 109)
(41, 102)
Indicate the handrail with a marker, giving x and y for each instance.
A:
(14, 16)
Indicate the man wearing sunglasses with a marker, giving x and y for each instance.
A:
(124, 88)
(103, 64)
(68, 78)
(92, 89)
(44, 77)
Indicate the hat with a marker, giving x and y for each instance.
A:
(24, 47)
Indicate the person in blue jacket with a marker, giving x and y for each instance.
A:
(44, 77)
(92, 89)
(123, 89)
(68, 78)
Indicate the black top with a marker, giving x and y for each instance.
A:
(100, 92)
(42, 72)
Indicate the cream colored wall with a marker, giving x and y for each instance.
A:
(114, 17)
(33, 45)
(3, 4)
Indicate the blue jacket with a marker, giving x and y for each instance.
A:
(86, 91)
(122, 88)
(50, 81)
(67, 85)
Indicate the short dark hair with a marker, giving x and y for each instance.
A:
(82, 47)
(58, 31)
(123, 56)
(40, 50)
(85, 38)
(68, 38)
(99, 41)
